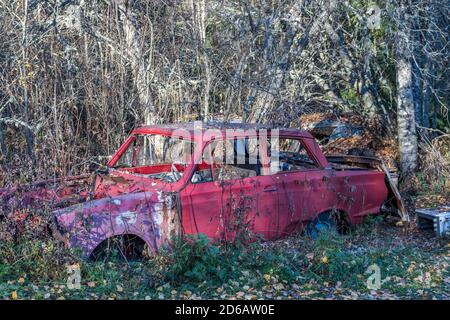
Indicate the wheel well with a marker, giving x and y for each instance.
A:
(341, 217)
(126, 246)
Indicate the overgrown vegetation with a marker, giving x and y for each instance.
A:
(332, 266)
(77, 76)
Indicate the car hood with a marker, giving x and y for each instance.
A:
(116, 182)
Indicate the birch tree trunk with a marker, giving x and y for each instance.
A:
(199, 17)
(201, 22)
(138, 60)
(407, 136)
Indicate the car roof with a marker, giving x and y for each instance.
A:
(242, 129)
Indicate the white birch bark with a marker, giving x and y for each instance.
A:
(138, 61)
(199, 16)
(407, 136)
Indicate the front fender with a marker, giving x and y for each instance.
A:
(152, 216)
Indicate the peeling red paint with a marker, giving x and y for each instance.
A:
(88, 210)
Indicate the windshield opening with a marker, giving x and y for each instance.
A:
(157, 156)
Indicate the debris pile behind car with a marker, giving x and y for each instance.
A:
(360, 141)
(350, 134)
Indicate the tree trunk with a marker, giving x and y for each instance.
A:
(26, 131)
(407, 136)
(2, 139)
(199, 16)
(279, 68)
(416, 64)
(368, 100)
(138, 61)
(426, 95)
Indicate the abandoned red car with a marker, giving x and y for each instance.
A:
(219, 179)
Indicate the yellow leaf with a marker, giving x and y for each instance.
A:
(267, 277)
(14, 295)
(21, 280)
(325, 259)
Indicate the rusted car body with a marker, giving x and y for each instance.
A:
(171, 180)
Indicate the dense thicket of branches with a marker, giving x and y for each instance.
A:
(76, 76)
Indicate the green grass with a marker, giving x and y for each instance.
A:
(332, 266)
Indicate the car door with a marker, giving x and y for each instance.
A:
(232, 201)
(303, 185)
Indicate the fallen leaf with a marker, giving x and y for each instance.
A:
(91, 284)
(279, 286)
(188, 293)
(21, 280)
(14, 295)
(119, 288)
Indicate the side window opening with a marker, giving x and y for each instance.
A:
(230, 159)
(290, 155)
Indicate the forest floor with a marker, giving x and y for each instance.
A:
(412, 264)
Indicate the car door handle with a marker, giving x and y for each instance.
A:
(270, 189)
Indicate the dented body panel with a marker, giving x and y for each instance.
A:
(152, 216)
(157, 202)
